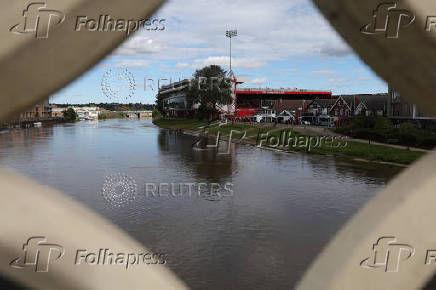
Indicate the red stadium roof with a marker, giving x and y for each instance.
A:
(281, 91)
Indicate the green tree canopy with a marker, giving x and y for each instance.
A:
(211, 88)
(70, 114)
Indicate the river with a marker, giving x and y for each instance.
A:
(281, 211)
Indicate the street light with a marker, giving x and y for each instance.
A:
(230, 34)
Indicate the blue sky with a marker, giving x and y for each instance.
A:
(280, 43)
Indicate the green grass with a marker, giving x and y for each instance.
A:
(226, 129)
(352, 150)
(259, 130)
(373, 152)
(185, 124)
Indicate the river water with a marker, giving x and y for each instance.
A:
(281, 211)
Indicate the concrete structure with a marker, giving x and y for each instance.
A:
(39, 111)
(246, 101)
(175, 101)
(399, 108)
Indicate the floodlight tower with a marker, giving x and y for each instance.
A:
(230, 34)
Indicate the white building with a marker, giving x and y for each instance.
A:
(87, 113)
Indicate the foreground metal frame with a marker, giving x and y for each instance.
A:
(406, 209)
(31, 69)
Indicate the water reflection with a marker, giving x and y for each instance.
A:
(284, 209)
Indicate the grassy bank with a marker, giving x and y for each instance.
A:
(184, 124)
(274, 137)
(352, 149)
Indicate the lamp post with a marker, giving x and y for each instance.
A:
(230, 34)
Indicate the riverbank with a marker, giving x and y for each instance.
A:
(28, 123)
(290, 139)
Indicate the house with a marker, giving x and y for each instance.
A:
(296, 107)
(286, 117)
(320, 106)
(343, 107)
(57, 112)
(367, 104)
(337, 108)
(87, 113)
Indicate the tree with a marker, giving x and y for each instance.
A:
(408, 134)
(156, 114)
(70, 115)
(159, 104)
(210, 88)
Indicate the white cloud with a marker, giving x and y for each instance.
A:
(133, 63)
(258, 81)
(267, 31)
(363, 79)
(335, 50)
(336, 80)
(181, 65)
(247, 63)
(323, 72)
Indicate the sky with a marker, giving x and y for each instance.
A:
(280, 44)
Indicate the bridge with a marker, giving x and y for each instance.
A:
(138, 114)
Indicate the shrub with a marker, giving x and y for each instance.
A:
(70, 115)
(156, 115)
